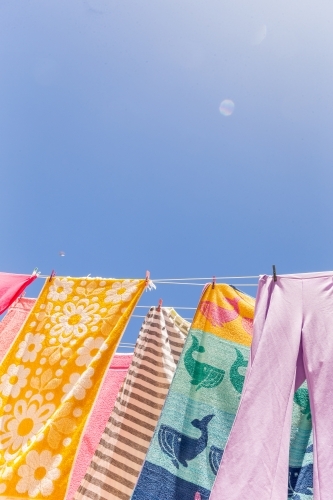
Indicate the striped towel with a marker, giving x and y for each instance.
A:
(116, 464)
(98, 419)
(187, 446)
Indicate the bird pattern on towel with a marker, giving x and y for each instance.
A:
(203, 374)
(302, 399)
(219, 316)
(215, 457)
(300, 481)
(236, 378)
(180, 447)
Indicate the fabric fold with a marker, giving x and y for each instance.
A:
(189, 440)
(50, 378)
(12, 286)
(12, 322)
(117, 461)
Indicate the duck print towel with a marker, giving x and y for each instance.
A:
(187, 446)
(50, 378)
(118, 459)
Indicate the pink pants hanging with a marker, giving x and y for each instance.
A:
(292, 339)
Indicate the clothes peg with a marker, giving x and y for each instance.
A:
(274, 273)
(149, 284)
(35, 271)
(213, 282)
(147, 287)
(160, 302)
(52, 275)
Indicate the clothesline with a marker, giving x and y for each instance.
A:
(171, 307)
(209, 278)
(167, 280)
(198, 284)
(139, 316)
(181, 281)
(184, 281)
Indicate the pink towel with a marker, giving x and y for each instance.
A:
(98, 419)
(12, 322)
(11, 287)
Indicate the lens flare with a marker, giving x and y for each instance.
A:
(61, 253)
(260, 35)
(227, 107)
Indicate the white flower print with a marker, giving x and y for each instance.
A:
(38, 473)
(13, 381)
(74, 320)
(60, 289)
(91, 349)
(30, 346)
(121, 291)
(6, 474)
(78, 384)
(22, 425)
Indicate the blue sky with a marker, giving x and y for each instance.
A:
(113, 148)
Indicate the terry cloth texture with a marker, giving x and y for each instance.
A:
(118, 459)
(50, 379)
(186, 449)
(293, 339)
(12, 322)
(11, 287)
(98, 419)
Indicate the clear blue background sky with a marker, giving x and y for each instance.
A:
(113, 148)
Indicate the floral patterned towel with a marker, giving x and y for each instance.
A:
(50, 378)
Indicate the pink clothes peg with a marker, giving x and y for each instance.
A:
(52, 275)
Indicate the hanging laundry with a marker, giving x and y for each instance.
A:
(50, 378)
(120, 454)
(98, 419)
(292, 339)
(189, 440)
(12, 286)
(11, 323)
(9, 328)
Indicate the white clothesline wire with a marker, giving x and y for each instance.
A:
(168, 280)
(181, 283)
(178, 281)
(199, 284)
(209, 278)
(139, 316)
(169, 307)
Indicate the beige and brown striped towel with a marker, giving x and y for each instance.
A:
(117, 462)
